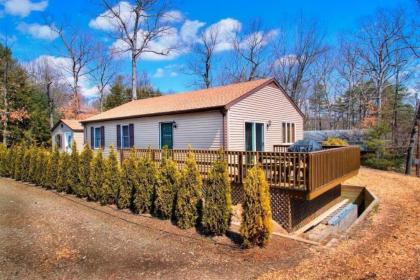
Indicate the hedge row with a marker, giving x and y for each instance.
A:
(144, 186)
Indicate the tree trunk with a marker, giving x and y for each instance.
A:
(50, 105)
(133, 77)
(410, 149)
(6, 103)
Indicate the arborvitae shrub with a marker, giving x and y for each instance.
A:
(63, 172)
(44, 167)
(73, 170)
(189, 194)
(148, 178)
(26, 164)
(38, 166)
(53, 169)
(32, 164)
(166, 188)
(84, 171)
(256, 226)
(9, 165)
(217, 206)
(97, 176)
(3, 159)
(130, 181)
(19, 153)
(112, 179)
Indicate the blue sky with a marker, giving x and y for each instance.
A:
(23, 20)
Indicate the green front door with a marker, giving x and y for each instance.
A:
(166, 135)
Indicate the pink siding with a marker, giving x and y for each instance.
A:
(268, 104)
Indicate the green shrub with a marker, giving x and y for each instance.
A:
(39, 167)
(166, 188)
(3, 160)
(256, 226)
(189, 194)
(112, 179)
(44, 167)
(53, 169)
(129, 183)
(63, 173)
(25, 174)
(73, 170)
(32, 164)
(84, 171)
(217, 206)
(147, 181)
(97, 176)
(335, 141)
(20, 152)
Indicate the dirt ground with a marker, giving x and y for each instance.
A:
(384, 246)
(48, 235)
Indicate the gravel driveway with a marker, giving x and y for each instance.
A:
(44, 234)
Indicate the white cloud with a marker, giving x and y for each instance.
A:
(226, 29)
(167, 71)
(167, 42)
(189, 30)
(38, 31)
(159, 73)
(173, 16)
(107, 21)
(61, 66)
(23, 7)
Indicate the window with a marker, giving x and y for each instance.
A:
(68, 141)
(288, 132)
(254, 136)
(97, 138)
(125, 136)
(58, 141)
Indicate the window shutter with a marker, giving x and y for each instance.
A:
(102, 136)
(131, 134)
(118, 136)
(92, 140)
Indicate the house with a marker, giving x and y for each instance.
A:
(64, 132)
(247, 116)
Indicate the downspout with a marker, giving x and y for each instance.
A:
(223, 112)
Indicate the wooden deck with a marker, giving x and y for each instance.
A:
(308, 174)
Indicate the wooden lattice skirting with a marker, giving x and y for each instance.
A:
(292, 211)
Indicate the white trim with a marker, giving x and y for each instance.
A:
(254, 134)
(121, 135)
(94, 138)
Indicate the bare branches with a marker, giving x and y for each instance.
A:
(137, 26)
(201, 61)
(294, 54)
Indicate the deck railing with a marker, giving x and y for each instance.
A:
(304, 172)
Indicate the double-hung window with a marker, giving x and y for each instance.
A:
(97, 137)
(288, 132)
(125, 136)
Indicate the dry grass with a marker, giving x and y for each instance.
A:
(385, 246)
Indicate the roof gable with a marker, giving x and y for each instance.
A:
(74, 125)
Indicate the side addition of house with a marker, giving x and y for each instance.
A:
(65, 132)
(250, 116)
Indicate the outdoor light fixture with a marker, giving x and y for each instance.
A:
(268, 123)
(174, 125)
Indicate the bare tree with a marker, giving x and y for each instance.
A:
(250, 48)
(145, 22)
(202, 57)
(103, 71)
(379, 38)
(79, 50)
(294, 54)
(46, 75)
(5, 60)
